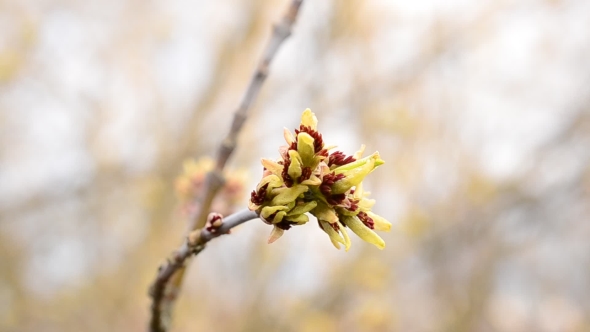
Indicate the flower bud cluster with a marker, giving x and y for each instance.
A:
(308, 178)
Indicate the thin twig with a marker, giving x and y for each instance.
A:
(195, 243)
(167, 285)
(215, 180)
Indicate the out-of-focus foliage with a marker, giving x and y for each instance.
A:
(481, 110)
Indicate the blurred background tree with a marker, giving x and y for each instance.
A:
(481, 110)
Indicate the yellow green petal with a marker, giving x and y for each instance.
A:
(271, 165)
(295, 166)
(300, 218)
(366, 204)
(305, 148)
(364, 232)
(290, 205)
(345, 212)
(278, 217)
(272, 180)
(379, 161)
(381, 224)
(335, 237)
(309, 119)
(312, 181)
(324, 212)
(287, 195)
(360, 162)
(345, 236)
(303, 208)
(353, 177)
(267, 211)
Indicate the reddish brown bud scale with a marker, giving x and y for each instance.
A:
(285, 224)
(368, 221)
(353, 205)
(305, 174)
(326, 190)
(330, 179)
(338, 158)
(258, 197)
(323, 153)
(285, 174)
(336, 199)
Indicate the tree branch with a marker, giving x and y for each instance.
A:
(166, 287)
(215, 180)
(195, 243)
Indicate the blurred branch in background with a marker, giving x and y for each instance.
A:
(166, 288)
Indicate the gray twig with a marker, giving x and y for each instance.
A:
(215, 180)
(195, 243)
(166, 287)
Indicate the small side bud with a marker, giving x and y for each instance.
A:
(214, 220)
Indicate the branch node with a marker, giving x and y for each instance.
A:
(193, 238)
